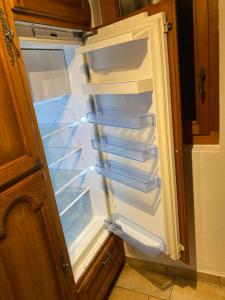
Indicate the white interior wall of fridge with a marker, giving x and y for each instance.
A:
(56, 77)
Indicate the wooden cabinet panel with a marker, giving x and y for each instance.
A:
(28, 265)
(74, 12)
(98, 278)
(19, 152)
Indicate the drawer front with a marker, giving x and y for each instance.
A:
(102, 271)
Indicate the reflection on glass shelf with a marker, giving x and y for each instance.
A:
(135, 178)
(55, 155)
(49, 129)
(62, 178)
(126, 148)
(123, 119)
(68, 197)
(76, 218)
(141, 238)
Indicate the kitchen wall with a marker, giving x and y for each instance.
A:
(205, 181)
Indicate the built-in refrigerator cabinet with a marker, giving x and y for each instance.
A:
(103, 108)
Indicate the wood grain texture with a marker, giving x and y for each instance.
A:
(63, 13)
(109, 11)
(27, 263)
(19, 151)
(97, 280)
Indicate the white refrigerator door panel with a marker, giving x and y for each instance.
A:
(119, 60)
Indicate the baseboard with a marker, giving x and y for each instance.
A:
(174, 271)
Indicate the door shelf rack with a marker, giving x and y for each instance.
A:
(137, 179)
(134, 234)
(128, 87)
(122, 119)
(126, 148)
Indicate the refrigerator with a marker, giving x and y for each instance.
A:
(103, 105)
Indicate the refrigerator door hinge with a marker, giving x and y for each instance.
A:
(84, 35)
(180, 248)
(167, 26)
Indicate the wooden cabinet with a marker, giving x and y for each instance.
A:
(64, 13)
(97, 279)
(19, 152)
(29, 266)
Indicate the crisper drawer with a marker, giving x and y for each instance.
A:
(96, 281)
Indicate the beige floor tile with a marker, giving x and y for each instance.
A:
(151, 284)
(123, 294)
(192, 290)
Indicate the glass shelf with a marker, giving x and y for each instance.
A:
(126, 148)
(61, 178)
(122, 119)
(141, 238)
(55, 155)
(68, 197)
(49, 129)
(76, 217)
(137, 179)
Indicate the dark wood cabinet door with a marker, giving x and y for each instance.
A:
(69, 13)
(29, 266)
(102, 271)
(19, 152)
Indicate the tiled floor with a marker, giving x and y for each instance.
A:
(137, 284)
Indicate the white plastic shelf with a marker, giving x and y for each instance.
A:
(61, 178)
(55, 155)
(68, 197)
(139, 237)
(114, 41)
(135, 178)
(126, 148)
(122, 119)
(129, 87)
(50, 129)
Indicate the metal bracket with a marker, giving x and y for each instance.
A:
(181, 248)
(167, 26)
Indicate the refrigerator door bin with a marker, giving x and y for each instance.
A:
(62, 178)
(122, 119)
(129, 87)
(55, 155)
(49, 129)
(114, 41)
(139, 237)
(137, 179)
(126, 148)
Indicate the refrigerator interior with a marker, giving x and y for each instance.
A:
(106, 131)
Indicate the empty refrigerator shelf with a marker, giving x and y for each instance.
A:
(126, 148)
(114, 41)
(139, 237)
(49, 129)
(128, 87)
(61, 178)
(137, 179)
(55, 155)
(122, 119)
(68, 197)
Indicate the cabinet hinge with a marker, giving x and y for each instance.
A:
(180, 248)
(84, 35)
(167, 26)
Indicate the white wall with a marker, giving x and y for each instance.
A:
(205, 174)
